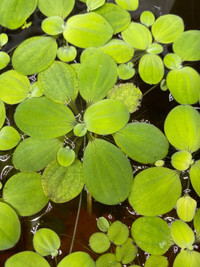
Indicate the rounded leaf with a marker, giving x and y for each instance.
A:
(186, 207)
(77, 259)
(153, 260)
(53, 25)
(94, 4)
(151, 234)
(195, 176)
(187, 258)
(34, 55)
(67, 53)
(107, 172)
(46, 242)
(99, 242)
(35, 90)
(61, 184)
(106, 116)
(80, 32)
(182, 128)
(172, 61)
(3, 39)
(80, 129)
(130, 5)
(197, 223)
(127, 252)
(118, 233)
(42, 118)
(181, 160)
(155, 191)
(147, 18)
(142, 142)
(9, 227)
(9, 138)
(103, 224)
(23, 191)
(155, 49)
(167, 28)
(4, 59)
(65, 156)
(125, 71)
(2, 113)
(107, 260)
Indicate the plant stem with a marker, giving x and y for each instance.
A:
(74, 107)
(89, 203)
(148, 91)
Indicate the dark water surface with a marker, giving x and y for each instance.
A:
(154, 108)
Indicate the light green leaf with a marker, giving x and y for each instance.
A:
(80, 129)
(147, 18)
(106, 116)
(182, 128)
(186, 207)
(94, 4)
(153, 260)
(42, 118)
(155, 191)
(9, 227)
(89, 52)
(107, 260)
(35, 91)
(107, 171)
(130, 5)
(20, 260)
(182, 234)
(59, 83)
(126, 71)
(46, 242)
(4, 59)
(195, 176)
(77, 259)
(181, 160)
(137, 35)
(61, 8)
(142, 142)
(155, 49)
(23, 191)
(197, 223)
(53, 25)
(120, 51)
(80, 32)
(172, 61)
(14, 87)
(2, 113)
(35, 154)
(187, 45)
(97, 75)
(167, 28)
(184, 84)
(151, 234)
(34, 55)
(112, 13)
(99, 242)
(62, 184)
(103, 224)
(118, 233)
(3, 39)
(67, 53)
(13, 13)
(9, 138)
(127, 252)
(151, 68)
(65, 156)
(187, 258)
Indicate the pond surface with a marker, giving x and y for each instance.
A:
(154, 108)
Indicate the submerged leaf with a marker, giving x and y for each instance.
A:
(9, 138)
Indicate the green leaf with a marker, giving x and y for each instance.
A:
(80, 32)
(130, 5)
(147, 18)
(80, 129)
(107, 171)
(9, 227)
(184, 84)
(197, 223)
(155, 191)
(97, 75)
(65, 156)
(172, 61)
(34, 55)
(46, 242)
(182, 234)
(120, 51)
(2, 113)
(127, 252)
(4, 59)
(61, 8)
(106, 116)
(151, 234)
(112, 13)
(9, 138)
(35, 91)
(14, 87)
(195, 176)
(118, 233)
(187, 45)
(13, 13)
(94, 4)
(127, 93)
(35, 154)
(126, 71)
(20, 260)
(61, 184)
(186, 207)
(53, 25)
(77, 259)
(103, 224)
(142, 142)
(42, 118)
(181, 160)
(155, 49)
(3, 39)
(167, 28)
(23, 191)
(67, 53)
(187, 258)
(59, 83)
(137, 35)
(99, 242)
(107, 260)
(151, 68)
(182, 128)
(153, 260)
